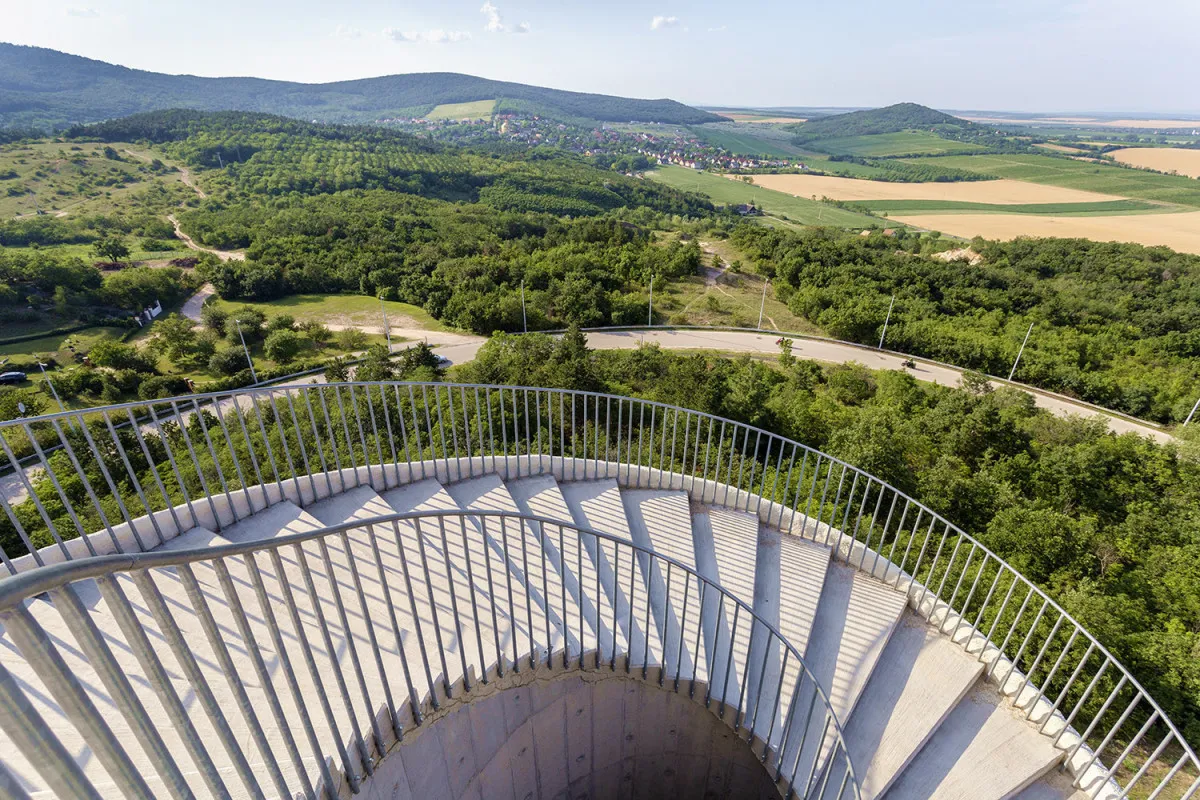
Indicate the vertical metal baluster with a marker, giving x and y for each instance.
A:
(287, 450)
(195, 677)
(462, 528)
(40, 746)
(776, 707)
(337, 394)
(958, 584)
(137, 484)
(580, 432)
(670, 458)
(921, 555)
(506, 566)
(1083, 698)
(1053, 670)
(729, 474)
(683, 618)
(620, 423)
(753, 468)
(362, 435)
(702, 585)
(504, 432)
(283, 724)
(1137, 776)
(429, 430)
(330, 652)
(684, 484)
(1000, 613)
(340, 606)
(437, 398)
(1012, 629)
(216, 642)
(433, 605)
(270, 452)
(490, 435)
(775, 485)
(742, 467)
(737, 610)
(416, 431)
(318, 442)
(416, 617)
(1112, 731)
(24, 536)
(462, 650)
(466, 420)
(896, 538)
(267, 608)
(375, 435)
(81, 531)
(762, 677)
(1025, 642)
(215, 460)
(373, 538)
(187, 442)
(391, 435)
(707, 450)
(121, 694)
(837, 548)
(607, 432)
(150, 465)
(887, 523)
(237, 462)
(824, 494)
(114, 492)
(641, 431)
(537, 409)
(1062, 694)
(312, 481)
(962, 617)
(562, 399)
(491, 593)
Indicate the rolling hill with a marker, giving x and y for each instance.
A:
(875, 121)
(49, 89)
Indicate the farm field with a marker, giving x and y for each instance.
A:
(796, 209)
(746, 142)
(342, 309)
(1063, 209)
(1163, 159)
(1178, 231)
(1142, 124)
(892, 144)
(476, 109)
(997, 191)
(1082, 176)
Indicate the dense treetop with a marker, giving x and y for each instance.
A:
(891, 119)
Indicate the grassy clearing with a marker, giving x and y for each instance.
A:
(1083, 175)
(476, 109)
(892, 144)
(75, 178)
(1061, 209)
(343, 309)
(58, 345)
(735, 192)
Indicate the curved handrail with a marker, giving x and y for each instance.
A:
(825, 753)
(1037, 646)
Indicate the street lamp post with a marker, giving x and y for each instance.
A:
(650, 313)
(50, 383)
(387, 331)
(1013, 371)
(763, 306)
(886, 321)
(246, 350)
(1189, 416)
(524, 319)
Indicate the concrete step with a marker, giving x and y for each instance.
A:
(588, 616)
(597, 505)
(449, 589)
(661, 521)
(984, 750)
(516, 567)
(855, 619)
(917, 682)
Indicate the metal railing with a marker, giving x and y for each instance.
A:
(250, 448)
(329, 643)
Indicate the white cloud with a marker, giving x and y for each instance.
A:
(718, 29)
(78, 11)
(347, 32)
(660, 22)
(495, 23)
(435, 36)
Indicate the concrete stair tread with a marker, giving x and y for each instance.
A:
(661, 520)
(854, 621)
(916, 684)
(982, 751)
(195, 538)
(587, 616)
(597, 505)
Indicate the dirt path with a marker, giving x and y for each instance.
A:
(224, 255)
(186, 177)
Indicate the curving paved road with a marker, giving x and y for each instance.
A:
(832, 352)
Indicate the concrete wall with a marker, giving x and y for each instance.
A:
(574, 736)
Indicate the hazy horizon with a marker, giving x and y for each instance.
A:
(1021, 56)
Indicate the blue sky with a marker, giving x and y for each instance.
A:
(1036, 55)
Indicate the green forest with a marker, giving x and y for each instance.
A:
(1114, 324)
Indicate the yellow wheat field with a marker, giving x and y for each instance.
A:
(999, 191)
(1163, 159)
(1177, 231)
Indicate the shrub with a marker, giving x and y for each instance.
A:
(227, 362)
(284, 346)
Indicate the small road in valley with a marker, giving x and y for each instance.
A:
(224, 255)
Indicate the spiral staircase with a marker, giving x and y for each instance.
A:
(437, 591)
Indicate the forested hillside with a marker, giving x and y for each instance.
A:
(892, 119)
(46, 88)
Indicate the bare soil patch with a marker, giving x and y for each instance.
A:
(998, 191)
(1177, 231)
(1163, 159)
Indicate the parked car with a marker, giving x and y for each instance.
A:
(12, 377)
